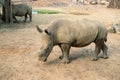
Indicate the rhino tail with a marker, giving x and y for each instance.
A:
(105, 39)
(106, 35)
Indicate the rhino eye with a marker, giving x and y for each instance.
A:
(47, 48)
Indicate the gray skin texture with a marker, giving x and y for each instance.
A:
(72, 33)
(21, 10)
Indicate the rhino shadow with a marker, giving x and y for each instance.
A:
(16, 25)
(74, 55)
(80, 54)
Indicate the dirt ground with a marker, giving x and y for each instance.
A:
(19, 44)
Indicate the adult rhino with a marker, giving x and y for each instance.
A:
(68, 33)
(21, 10)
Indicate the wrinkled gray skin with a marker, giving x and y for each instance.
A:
(21, 10)
(78, 33)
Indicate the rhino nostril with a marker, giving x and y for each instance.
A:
(45, 60)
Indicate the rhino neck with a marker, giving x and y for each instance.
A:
(54, 39)
(53, 36)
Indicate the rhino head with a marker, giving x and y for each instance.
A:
(46, 44)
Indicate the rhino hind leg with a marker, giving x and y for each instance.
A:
(65, 48)
(98, 46)
(30, 16)
(25, 17)
(105, 50)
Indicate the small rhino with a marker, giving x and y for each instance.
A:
(116, 27)
(73, 33)
(21, 10)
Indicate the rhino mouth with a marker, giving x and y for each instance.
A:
(42, 58)
(44, 55)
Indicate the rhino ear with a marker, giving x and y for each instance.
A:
(38, 29)
(46, 31)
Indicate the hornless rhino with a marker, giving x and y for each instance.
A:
(68, 33)
(21, 10)
(116, 27)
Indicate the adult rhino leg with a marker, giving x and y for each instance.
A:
(105, 50)
(15, 18)
(98, 45)
(61, 56)
(30, 16)
(25, 17)
(65, 53)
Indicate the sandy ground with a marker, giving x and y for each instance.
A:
(19, 44)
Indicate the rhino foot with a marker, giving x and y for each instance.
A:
(94, 59)
(65, 61)
(61, 57)
(42, 59)
(105, 57)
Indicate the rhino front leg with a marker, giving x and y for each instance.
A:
(61, 57)
(15, 18)
(65, 53)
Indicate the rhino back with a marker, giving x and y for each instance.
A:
(78, 33)
(20, 9)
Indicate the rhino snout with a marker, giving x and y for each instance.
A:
(44, 59)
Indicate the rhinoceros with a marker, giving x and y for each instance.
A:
(21, 10)
(116, 27)
(68, 33)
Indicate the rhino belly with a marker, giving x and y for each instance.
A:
(77, 40)
(84, 40)
(80, 43)
(20, 13)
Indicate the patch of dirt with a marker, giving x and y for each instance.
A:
(57, 3)
(19, 44)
